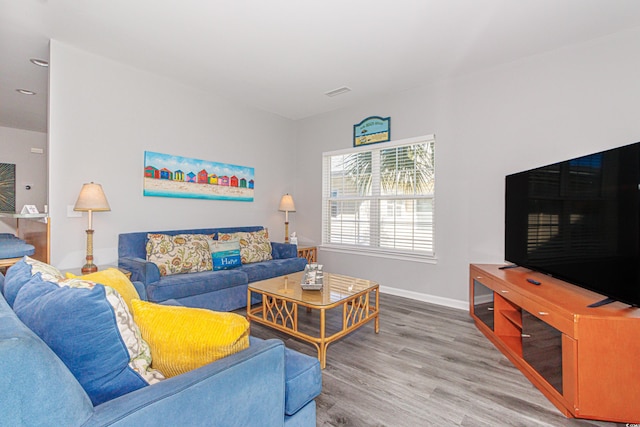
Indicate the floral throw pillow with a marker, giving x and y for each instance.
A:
(182, 253)
(254, 246)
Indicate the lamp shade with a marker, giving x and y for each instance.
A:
(92, 198)
(286, 204)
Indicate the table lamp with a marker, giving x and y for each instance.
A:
(286, 206)
(91, 199)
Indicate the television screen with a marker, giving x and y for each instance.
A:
(579, 220)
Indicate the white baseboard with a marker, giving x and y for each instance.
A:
(447, 302)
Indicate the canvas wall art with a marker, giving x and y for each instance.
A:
(7, 187)
(166, 175)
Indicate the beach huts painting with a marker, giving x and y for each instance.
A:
(175, 176)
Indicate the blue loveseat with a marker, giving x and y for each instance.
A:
(222, 290)
(263, 385)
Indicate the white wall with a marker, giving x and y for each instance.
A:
(104, 115)
(31, 169)
(535, 111)
(539, 110)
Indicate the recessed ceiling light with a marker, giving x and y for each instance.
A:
(25, 91)
(39, 62)
(338, 91)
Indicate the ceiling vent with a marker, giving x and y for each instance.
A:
(338, 91)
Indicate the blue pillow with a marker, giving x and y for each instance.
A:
(17, 276)
(80, 326)
(225, 255)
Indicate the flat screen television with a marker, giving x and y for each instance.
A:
(579, 220)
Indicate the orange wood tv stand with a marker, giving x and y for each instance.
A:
(586, 361)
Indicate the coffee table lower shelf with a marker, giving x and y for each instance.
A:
(281, 313)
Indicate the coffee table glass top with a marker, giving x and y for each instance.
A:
(336, 287)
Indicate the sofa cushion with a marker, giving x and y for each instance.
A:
(115, 279)
(22, 271)
(303, 380)
(283, 250)
(254, 246)
(91, 330)
(277, 267)
(183, 253)
(186, 338)
(186, 285)
(225, 255)
(17, 276)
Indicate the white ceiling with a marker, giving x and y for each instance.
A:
(283, 55)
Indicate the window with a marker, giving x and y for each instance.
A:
(380, 198)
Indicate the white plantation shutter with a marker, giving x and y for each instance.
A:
(380, 198)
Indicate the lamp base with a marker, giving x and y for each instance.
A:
(89, 268)
(286, 232)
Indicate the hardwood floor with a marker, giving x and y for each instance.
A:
(428, 366)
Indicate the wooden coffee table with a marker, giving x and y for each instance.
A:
(282, 297)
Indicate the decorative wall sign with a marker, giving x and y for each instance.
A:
(372, 130)
(175, 176)
(7, 187)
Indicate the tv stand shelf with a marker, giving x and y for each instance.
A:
(586, 361)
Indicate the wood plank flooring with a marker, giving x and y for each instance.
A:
(428, 366)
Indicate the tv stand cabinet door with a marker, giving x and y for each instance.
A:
(542, 349)
(482, 303)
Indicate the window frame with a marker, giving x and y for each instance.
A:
(327, 198)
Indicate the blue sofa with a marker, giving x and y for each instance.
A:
(222, 290)
(264, 385)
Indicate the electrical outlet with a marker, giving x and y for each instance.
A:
(73, 214)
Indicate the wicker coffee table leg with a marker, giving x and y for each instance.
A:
(323, 344)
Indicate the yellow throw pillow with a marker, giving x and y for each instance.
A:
(186, 338)
(115, 279)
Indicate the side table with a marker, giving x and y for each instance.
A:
(308, 252)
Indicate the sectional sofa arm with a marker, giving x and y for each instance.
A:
(283, 250)
(244, 389)
(141, 270)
